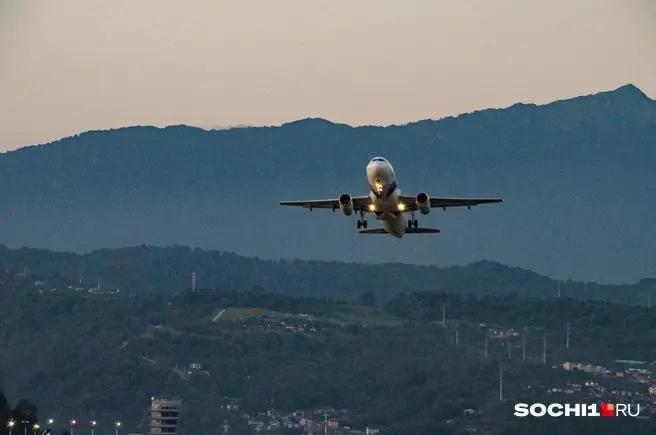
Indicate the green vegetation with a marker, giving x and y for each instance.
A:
(103, 357)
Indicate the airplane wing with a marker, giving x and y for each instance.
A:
(360, 203)
(443, 202)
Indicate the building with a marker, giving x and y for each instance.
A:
(164, 415)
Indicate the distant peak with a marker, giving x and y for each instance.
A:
(628, 91)
(630, 88)
(309, 122)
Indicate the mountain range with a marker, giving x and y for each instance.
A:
(577, 177)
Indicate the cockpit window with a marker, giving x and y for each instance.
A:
(377, 159)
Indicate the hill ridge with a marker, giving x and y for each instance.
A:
(628, 90)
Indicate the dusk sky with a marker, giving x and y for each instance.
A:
(73, 65)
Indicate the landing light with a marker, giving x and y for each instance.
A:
(401, 207)
(372, 207)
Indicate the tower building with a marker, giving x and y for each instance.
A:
(164, 415)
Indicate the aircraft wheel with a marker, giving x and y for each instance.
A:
(409, 224)
(416, 223)
(359, 224)
(364, 224)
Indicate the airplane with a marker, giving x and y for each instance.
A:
(388, 204)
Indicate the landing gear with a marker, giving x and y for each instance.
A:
(361, 222)
(413, 222)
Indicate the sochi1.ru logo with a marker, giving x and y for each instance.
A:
(577, 410)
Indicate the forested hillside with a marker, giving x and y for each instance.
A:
(168, 270)
(239, 357)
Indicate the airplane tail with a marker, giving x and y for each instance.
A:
(375, 231)
(407, 231)
(421, 230)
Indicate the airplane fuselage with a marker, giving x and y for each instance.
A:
(384, 196)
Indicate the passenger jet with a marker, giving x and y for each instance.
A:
(388, 204)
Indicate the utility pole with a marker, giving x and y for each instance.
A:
(544, 349)
(193, 281)
(567, 337)
(509, 346)
(524, 345)
(443, 315)
(649, 302)
(457, 332)
(500, 382)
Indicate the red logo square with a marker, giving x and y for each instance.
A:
(607, 410)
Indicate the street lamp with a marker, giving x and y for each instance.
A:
(10, 425)
(35, 428)
(51, 421)
(93, 426)
(71, 423)
(117, 425)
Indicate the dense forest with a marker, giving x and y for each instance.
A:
(166, 270)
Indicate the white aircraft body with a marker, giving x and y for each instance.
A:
(387, 203)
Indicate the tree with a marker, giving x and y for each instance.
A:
(4, 412)
(24, 414)
(368, 299)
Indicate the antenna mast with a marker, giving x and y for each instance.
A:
(500, 382)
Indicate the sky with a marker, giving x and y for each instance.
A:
(69, 66)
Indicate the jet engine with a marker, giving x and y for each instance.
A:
(423, 203)
(346, 204)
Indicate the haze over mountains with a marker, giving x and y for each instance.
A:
(577, 177)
